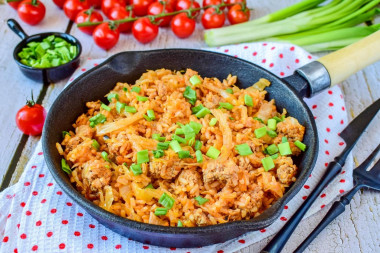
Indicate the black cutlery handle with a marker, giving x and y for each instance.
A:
(336, 209)
(279, 241)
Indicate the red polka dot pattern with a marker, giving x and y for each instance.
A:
(46, 209)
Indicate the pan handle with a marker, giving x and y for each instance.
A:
(349, 60)
(16, 28)
(336, 67)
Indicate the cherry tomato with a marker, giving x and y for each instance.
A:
(88, 15)
(213, 2)
(187, 4)
(107, 5)
(106, 36)
(171, 3)
(59, 3)
(14, 5)
(237, 15)
(31, 11)
(140, 7)
(144, 31)
(234, 2)
(30, 119)
(121, 13)
(73, 7)
(158, 8)
(183, 26)
(211, 19)
(96, 3)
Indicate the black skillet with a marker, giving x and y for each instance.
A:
(128, 66)
(45, 75)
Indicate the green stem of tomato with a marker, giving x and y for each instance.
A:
(125, 20)
(34, 2)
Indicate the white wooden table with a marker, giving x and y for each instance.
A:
(357, 230)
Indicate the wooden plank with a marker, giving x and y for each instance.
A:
(15, 89)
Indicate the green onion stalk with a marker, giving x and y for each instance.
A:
(337, 14)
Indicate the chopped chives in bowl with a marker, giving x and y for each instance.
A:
(243, 149)
(51, 52)
(213, 153)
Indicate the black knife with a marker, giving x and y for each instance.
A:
(351, 134)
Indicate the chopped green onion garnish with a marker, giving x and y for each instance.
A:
(275, 156)
(160, 211)
(260, 132)
(179, 131)
(300, 145)
(201, 200)
(188, 132)
(130, 109)
(231, 118)
(272, 133)
(136, 169)
(125, 89)
(184, 154)
(166, 201)
(199, 156)
(113, 95)
(268, 163)
(258, 119)
(190, 94)
(194, 80)
(248, 100)
(272, 149)
(105, 156)
(174, 144)
(95, 144)
(158, 137)
(151, 114)
(142, 156)
(149, 186)
(65, 166)
(203, 112)
(244, 149)
(158, 153)
(163, 145)
(227, 106)
(191, 141)
(198, 145)
(147, 118)
(179, 139)
(142, 99)
(105, 107)
(229, 90)
(136, 89)
(284, 148)
(179, 224)
(197, 108)
(213, 153)
(277, 119)
(50, 52)
(284, 139)
(97, 119)
(64, 133)
(119, 106)
(272, 124)
(213, 121)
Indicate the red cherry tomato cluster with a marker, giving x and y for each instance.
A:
(29, 11)
(180, 15)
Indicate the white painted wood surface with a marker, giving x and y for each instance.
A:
(357, 230)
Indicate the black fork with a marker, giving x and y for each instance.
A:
(363, 178)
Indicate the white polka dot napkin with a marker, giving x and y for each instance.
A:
(36, 216)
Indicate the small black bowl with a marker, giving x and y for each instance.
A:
(45, 75)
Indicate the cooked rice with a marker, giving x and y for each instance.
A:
(237, 187)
